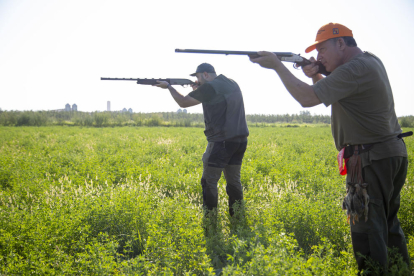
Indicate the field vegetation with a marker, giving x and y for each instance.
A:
(168, 119)
(127, 201)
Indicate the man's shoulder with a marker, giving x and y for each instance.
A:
(360, 65)
(220, 78)
(365, 58)
(222, 82)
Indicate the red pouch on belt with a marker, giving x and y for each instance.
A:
(341, 163)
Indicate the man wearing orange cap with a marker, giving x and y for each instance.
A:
(364, 122)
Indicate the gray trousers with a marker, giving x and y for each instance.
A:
(222, 158)
(385, 178)
(209, 181)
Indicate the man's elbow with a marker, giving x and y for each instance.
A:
(306, 104)
(183, 105)
(310, 102)
(308, 98)
(188, 103)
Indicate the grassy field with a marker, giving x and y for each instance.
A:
(127, 201)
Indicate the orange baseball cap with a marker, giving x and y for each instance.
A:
(329, 31)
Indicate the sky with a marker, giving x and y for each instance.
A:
(55, 52)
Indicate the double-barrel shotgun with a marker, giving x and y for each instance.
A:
(297, 59)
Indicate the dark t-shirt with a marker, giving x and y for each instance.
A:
(223, 110)
(204, 93)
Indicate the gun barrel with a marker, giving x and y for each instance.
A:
(225, 52)
(124, 79)
(154, 81)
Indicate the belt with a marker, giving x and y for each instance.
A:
(350, 149)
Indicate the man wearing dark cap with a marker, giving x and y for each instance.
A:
(225, 128)
(365, 129)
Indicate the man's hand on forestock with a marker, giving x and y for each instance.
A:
(162, 84)
(267, 60)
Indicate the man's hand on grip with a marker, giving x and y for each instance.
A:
(195, 85)
(312, 69)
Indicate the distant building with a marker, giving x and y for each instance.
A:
(108, 106)
(179, 111)
(124, 110)
(130, 110)
(67, 107)
(185, 111)
(74, 107)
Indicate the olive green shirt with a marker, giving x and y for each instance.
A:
(362, 103)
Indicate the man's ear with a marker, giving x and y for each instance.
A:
(206, 75)
(341, 43)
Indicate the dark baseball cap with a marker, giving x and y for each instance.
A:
(204, 67)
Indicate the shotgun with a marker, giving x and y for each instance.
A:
(181, 82)
(298, 60)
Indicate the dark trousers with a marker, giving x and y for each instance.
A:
(222, 157)
(385, 178)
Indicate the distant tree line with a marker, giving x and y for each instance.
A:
(406, 121)
(304, 117)
(98, 119)
(173, 119)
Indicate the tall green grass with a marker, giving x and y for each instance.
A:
(127, 201)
